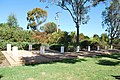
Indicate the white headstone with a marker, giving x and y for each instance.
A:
(15, 51)
(98, 48)
(30, 47)
(111, 47)
(62, 49)
(105, 47)
(78, 48)
(47, 47)
(42, 50)
(88, 48)
(8, 48)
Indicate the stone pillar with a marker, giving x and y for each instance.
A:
(105, 47)
(111, 47)
(47, 47)
(42, 50)
(78, 48)
(30, 47)
(15, 51)
(98, 48)
(8, 48)
(62, 49)
(88, 48)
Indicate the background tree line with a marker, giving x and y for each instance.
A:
(46, 34)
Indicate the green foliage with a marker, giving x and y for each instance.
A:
(20, 45)
(111, 18)
(104, 40)
(36, 46)
(82, 37)
(84, 44)
(71, 48)
(3, 44)
(104, 37)
(14, 35)
(116, 43)
(49, 27)
(95, 36)
(72, 36)
(78, 9)
(56, 46)
(59, 38)
(92, 43)
(12, 20)
(36, 17)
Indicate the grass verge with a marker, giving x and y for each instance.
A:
(95, 68)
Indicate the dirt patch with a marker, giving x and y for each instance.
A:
(4, 63)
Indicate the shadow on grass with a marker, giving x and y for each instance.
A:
(116, 77)
(108, 62)
(1, 76)
(36, 60)
(112, 56)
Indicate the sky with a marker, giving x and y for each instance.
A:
(21, 7)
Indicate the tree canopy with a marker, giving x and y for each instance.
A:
(111, 18)
(49, 27)
(36, 17)
(12, 20)
(78, 10)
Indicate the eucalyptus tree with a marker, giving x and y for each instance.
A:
(49, 27)
(35, 18)
(78, 10)
(12, 20)
(111, 19)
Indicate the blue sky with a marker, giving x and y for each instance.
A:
(21, 7)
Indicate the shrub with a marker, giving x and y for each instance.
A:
(92, 43)
(20, 45)
(36, 46)
(71, 49)
(3, 44)
(56, 46)
(84, 44)
(116, 43)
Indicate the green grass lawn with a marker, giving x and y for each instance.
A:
(95, 68)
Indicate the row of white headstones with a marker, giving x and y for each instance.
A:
(14, 49)
(98, 48)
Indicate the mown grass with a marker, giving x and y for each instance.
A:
(95, 68)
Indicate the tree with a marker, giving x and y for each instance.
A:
(82, 37)
(36, 17)
(111, 18)
(12, 20)
(41, 37)
(104, 37)
(49, 27)
(78, 10)
(73, 37)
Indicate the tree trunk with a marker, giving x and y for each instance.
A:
(77, 39)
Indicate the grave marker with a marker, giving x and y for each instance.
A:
(8, 48)
(88, 48)
(62, 49)
(30, 47)
(15, 51)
